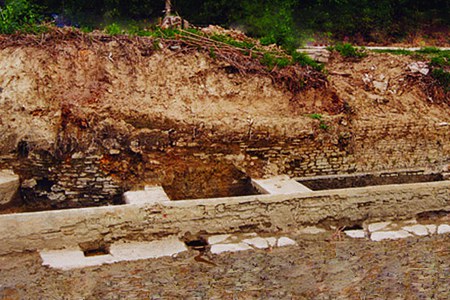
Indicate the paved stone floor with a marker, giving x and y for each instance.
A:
(317, 267)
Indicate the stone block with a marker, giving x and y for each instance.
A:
(284, 241)
(420, 230)
(9, 185)
(389, 235)
(378, 226)
(356, 234)
(220, 248)
(279, 185)
(444, 228)
(75, 258)
(257, 242)
(216, 239)
(151, 195)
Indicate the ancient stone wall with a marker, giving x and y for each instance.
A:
(77, 181)
(91, 180)
(262, 213)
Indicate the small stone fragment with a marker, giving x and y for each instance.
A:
(431, 228)
(272, 241)
(356, 234)
(220, 248)
(9, 185)
(284, 241)
(257, 242)
(444, 228)
(378, 226)
(420, 230)
(216, 239)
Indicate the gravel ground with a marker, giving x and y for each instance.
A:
(317, 268)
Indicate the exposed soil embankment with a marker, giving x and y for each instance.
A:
(144, 111)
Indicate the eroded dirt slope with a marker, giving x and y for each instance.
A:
(156, 112)
(127, 83)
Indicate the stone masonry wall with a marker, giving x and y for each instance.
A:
(83, 180)
(75, 182)
(262, 213)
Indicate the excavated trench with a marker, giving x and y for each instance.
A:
(363, 180)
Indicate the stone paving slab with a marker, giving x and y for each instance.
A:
(150, 195)
(279, 185)
(75, 258)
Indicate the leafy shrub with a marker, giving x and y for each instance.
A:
(305, 60)
(20, 16)
(113, 29)
(441, 59)
(267, 40)
(442, 77)
(270, 60)
(347, 50)
(230, 41)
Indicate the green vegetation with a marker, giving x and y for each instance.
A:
(322, 125)
(347, 50)
(20, 16)
(395, 52)
(270, 60)
(230, 41)
(305, 60)
(113, 29)
(315, 116)
(442, 77)
(287, 23)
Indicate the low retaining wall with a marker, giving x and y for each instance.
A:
(264, 213)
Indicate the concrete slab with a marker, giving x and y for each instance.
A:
(9, 185)
(279, 185)
(150, 195)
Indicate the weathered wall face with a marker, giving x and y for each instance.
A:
(90, 180)
(264, 213)
(77, 181)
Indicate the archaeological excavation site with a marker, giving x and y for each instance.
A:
(180, 168)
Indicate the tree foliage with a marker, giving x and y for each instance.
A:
(281, 21)
(19, 15)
